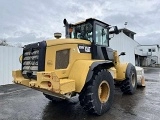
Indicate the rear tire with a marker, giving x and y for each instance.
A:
(129, 85)
(98, 94)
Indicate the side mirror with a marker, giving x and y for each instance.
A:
(122, 53)
(116, 31)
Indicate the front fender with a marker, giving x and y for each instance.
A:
(121, 70)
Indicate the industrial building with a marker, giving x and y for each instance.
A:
(139, 55)
(124, 42)
(150, 55)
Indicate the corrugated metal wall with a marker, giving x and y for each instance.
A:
(9, 60)
(123, 43)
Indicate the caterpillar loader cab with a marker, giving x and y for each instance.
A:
(82, 63)
(95, 31)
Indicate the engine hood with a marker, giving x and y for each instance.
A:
(53, 42)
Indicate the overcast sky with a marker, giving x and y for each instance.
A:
(36, 20)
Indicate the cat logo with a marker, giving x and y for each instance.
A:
(87, 49)
(84, 48)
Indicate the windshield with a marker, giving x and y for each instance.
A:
(82, 31)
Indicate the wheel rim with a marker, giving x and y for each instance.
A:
(133, 79)
(103, 91)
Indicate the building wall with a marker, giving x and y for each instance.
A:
(150, 55)
(123, 43)
(9, 60)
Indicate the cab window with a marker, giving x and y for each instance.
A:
(82, 31)
(101, 35)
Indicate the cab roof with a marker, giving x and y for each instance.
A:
(91, 19)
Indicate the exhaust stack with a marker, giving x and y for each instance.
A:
(66, 28)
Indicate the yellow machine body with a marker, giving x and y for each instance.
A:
(72, 78)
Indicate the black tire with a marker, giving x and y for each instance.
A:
(117, 83)
(53, 99)
(94, 97)
(129, 85)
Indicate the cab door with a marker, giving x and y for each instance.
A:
(100, 44)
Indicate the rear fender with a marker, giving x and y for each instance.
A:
(83, 70)
(79, 73)
(98, 65)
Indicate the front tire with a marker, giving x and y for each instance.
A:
(98, 94)
(129, 85)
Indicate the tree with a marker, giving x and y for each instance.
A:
(3, 42)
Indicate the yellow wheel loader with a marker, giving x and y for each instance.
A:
(82, 63)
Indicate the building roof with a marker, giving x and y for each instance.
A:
(91, 19)
(127, 30)
(152, 45)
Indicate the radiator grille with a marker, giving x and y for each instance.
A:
(62, 59)
(30, 62)
(33, 59)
